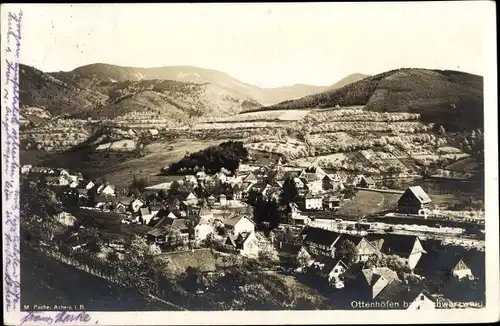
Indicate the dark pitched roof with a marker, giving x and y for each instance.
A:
(353, 238)
(400, 292)
(372, 274)
(442, 261)
(393, 244)
(320, 236)
(169, 223)
(201, 259)
(420, 194)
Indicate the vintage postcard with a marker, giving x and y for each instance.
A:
(294, 163)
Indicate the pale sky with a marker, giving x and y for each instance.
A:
(267, 45)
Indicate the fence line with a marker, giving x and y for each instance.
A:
(93, 271)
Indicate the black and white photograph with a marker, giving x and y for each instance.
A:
(268, 158)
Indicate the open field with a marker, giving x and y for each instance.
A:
(109, 225)
(157, 156)
(368, 202)
(43, 284)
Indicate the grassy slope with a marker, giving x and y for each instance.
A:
(98, 98)
(48, 281)
(428, 92)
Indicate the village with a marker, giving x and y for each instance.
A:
(285, 218)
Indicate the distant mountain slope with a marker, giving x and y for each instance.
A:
(90, 76)
(99, 97)
(38, 89)
(346, 81)
(451, 98)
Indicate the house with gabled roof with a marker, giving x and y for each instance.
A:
(203, 229)
(239, 224)
(331, 202)
(311, 201)
(312, 182)
(250, 178)
(364, 249)
(366, 182)
(153, 132)
(408, 247)
(330, 269)
(246, 243)
(414, 201)
(404, 296)
(172, 231)
(319, 241)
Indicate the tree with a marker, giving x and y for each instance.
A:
(289, 193)
(303, 258)
(347, 252)
(266, 211)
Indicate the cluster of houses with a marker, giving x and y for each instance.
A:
(201, 215)
(322, 250)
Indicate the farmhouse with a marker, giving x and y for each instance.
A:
(408, 247)
(312, 182)
(331, 202)
(239, 224)
(414, 201)
(153, 132)
(202, 230)
(319, 241)
(246, 242)
(330, 269)
(250, 178)
(407, 297)
(295, 216)
(172, 231)
(364, 249)
(312, 201)
(366, 182)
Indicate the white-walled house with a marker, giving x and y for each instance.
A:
(313, 201)
(136, 204)
(239, 224)
(246, 243)
(461, 270)
(330, 269)
(89, 185)
(202, 231)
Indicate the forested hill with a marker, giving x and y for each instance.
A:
(450, 98)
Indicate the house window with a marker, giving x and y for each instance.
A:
(421, 298)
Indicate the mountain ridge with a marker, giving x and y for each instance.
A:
(193, 74)
(450, 98)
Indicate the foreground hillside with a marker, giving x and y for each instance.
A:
(142, 99)
(98, 76)
(449, 98)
